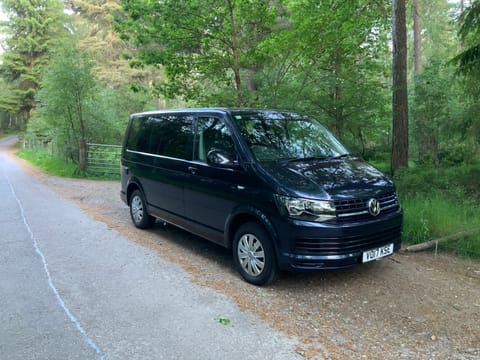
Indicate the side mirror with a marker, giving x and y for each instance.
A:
(220, 158)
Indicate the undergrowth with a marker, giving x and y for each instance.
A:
(50, 164)
(58, 166)
(438, 202)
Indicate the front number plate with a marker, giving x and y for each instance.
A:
(377, 253)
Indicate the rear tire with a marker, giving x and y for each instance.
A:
(138, 211)
(254, 255)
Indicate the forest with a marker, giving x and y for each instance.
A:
(398, 81)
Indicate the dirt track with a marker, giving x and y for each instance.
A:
(410, 306)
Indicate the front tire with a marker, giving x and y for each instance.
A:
(254, 255)
(138, 211)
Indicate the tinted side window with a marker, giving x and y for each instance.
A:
(158, 134)
(212, 133)
(170, 135)
(138, 135)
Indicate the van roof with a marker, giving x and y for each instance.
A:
(222, 110)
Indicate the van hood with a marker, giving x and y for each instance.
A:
(328, 179)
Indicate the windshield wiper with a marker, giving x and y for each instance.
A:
(308, 158)
(342, 156)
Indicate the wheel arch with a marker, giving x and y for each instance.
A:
(133, 185)
(243, 215)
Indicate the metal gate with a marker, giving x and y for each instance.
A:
(104, 159)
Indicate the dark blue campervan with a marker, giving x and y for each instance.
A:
(276, 187)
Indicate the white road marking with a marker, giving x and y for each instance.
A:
(67, 311)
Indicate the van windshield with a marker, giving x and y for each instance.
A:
(274, 136)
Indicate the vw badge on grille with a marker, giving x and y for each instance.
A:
(373, 207)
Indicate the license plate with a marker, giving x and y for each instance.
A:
(377, 253)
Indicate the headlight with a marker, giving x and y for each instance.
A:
(306, 209)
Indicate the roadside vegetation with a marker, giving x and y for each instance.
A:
(49, 163)
(438, 202)
(4, 133)
(59, 166)
(96, 62)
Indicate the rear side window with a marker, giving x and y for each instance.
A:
(161, 134)
(139, 135)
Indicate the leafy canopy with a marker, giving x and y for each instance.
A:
(197, 41)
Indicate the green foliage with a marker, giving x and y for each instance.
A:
(438, 128)
(333, 61)
(50, 164)
(30, 28)
(92, 21)
(468, 60)
(75, 108)
(444, 107)
(441, 201)
(436, 216)
(454, 182)
(330, 59)
(202, 45)
(67, 99)
(439, 38)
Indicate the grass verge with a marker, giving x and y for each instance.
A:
(436, 216)
(441, 202)
(50, 164)
(59, 167)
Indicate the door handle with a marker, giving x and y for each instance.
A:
(192, 169)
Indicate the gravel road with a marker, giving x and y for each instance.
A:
(409, 306)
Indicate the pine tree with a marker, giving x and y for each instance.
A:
(30, 28)
(400, 101)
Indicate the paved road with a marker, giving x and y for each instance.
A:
(71, 288)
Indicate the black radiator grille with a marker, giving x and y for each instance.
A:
(357, 209)
(348, 244)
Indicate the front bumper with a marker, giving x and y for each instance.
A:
(317, 246)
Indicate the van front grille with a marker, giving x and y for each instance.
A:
(309, 246)
(357, 209)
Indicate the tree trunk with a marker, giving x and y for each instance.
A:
(338, 92)
(421, 135)
(251, 98)
(417, 35)
(82, 149)
(82, 155)
(399, 98)
(431, 243)
(236, 56)
(251, 81)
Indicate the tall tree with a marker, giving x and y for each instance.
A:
(421, 123)
(468, 65)
(30, 28)
(91, 21)
(469, 60)
(417, 35)
(435, 90)
(331, 59)
(68, 97)
(400, 91)
(202, 45)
